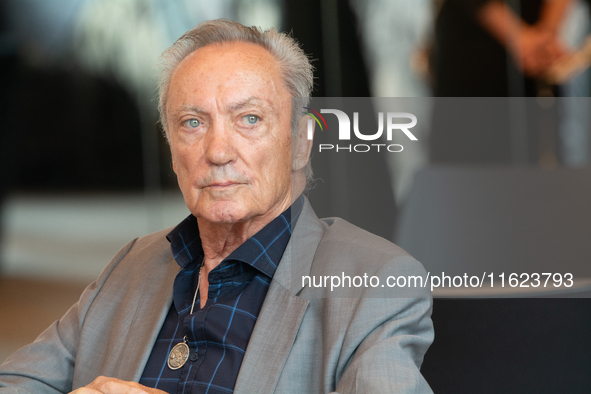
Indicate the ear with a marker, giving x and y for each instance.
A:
(301, 144)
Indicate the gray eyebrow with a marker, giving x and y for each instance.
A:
(187, 108)
(232, 107)
(245, 103)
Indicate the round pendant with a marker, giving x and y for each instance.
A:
(178, 356)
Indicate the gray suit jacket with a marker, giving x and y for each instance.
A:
(302, 342)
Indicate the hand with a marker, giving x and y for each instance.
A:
(528, 49)
(536, 49)
(558, 50)
(104, 385)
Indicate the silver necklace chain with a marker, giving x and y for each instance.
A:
(180, 352)
(196, 290)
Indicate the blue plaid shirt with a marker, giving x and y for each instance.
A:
(219, 333)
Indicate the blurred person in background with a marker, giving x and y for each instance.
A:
(496, 49)
(493, 48)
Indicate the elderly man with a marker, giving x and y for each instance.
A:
(210, 307)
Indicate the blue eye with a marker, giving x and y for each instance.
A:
(193, 123)
(251, 119)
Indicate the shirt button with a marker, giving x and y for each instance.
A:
(194, 357)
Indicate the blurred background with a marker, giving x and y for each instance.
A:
(84, 167)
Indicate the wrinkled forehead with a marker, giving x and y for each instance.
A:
(228, 73)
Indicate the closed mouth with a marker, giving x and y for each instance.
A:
(223, 184)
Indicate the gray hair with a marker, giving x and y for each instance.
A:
(296, 70)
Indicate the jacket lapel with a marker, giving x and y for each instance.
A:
(271, 341)
(282, 312)
(152, 308)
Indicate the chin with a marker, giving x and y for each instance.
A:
(225, 212)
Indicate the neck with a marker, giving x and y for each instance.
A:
(220, 239)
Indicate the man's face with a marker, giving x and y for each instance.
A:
(228, 114)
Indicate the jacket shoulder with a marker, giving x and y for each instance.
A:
(346, 235)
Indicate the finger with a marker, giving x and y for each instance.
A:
(106, 385)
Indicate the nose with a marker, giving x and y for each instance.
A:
(219, 145)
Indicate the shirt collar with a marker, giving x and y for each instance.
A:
(262, 251)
